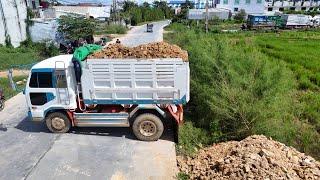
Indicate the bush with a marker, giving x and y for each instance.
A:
(237, 90)
(27, 53)
(240, 16)
(7, 42)
(191, 138)
(74, 28)
(139, 14)
(112, 29)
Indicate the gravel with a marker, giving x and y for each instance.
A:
(256, 157)
(145, 51)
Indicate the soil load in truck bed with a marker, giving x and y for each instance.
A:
(145, 51)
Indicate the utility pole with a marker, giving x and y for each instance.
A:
(207, 15)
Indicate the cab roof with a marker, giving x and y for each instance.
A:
(60, 61)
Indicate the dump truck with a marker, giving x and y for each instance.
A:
(143, 94)
(263, 22)
(292, 21)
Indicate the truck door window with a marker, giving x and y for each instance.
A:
(38, 99)
(61, 79)
(41, 80)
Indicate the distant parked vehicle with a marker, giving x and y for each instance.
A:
(149, 27)
(293, 21)
(264, 22)
(1, 99)
(316, 21)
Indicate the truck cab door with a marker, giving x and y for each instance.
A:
(41, 93)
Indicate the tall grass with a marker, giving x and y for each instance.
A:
(111, 29)
(11, 56)
(7, 90)
(237, 90)
(27, 53)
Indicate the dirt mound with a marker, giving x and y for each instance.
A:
(255, 157)
(151, 50)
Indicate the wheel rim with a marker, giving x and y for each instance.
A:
(58, 123)
(148, 128)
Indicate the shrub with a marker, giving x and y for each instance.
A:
(240, 16)
(7, 42)
(75, 28)
(112, 29)
(191, 138)
(238, 90)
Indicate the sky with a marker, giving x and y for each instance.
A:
(108, 2)
(84, 1)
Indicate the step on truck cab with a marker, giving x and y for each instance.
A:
(142, 94)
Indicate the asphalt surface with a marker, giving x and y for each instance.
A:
(139, 35)
(29, 151)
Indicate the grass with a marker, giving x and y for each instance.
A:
(111, 29)
(11, 56)
(299, 50)
(27, 53)
(251, 83)
(182, 176)
(8, 91)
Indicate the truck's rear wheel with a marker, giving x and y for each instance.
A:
(147, 127)
(58, 122)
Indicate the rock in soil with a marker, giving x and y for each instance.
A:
(256, 157)
(145, 51)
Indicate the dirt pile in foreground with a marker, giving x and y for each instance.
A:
(255, 157)
(151, 50)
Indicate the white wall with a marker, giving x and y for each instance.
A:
(251, 8)
(13, 14)
(43, 30)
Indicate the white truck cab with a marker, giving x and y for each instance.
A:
(141, 94)
(50, 86)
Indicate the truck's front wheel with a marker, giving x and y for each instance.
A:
(58, 122)
(147, 127)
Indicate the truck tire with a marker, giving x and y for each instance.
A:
(58, 122)
(147, 127)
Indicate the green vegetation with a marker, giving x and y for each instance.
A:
(22, 55)
(240, 16)
(313, 12)
(75, 28)
(182, 176)
(134, 14)
(191, 138)
(27, 53)
(5, 85)
(251, 83)
(111, 29)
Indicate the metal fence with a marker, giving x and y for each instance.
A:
(17, 76)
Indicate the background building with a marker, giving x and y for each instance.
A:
(101, 13)
(250, 6)
(291, 5)
(198, 14)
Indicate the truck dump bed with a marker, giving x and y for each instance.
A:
(135, 81)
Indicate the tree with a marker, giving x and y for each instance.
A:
(240, 16)
(146, 5)
(74, 28)
(184, 10)
(128, 5)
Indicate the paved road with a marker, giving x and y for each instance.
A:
(138, 35)
(29, 151)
